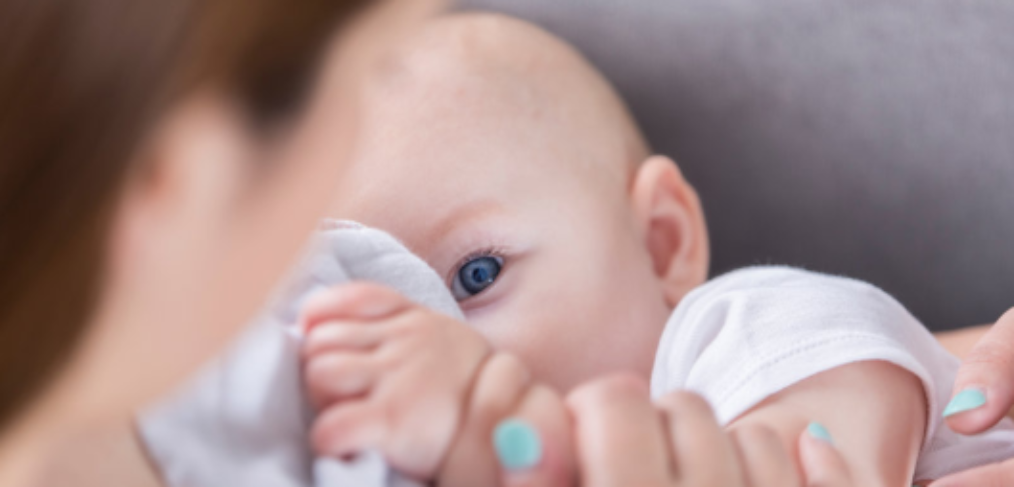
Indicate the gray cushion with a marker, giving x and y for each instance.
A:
(869, 138)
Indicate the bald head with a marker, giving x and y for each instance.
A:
(468, 65)
(488, 141)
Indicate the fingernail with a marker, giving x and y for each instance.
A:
(517, 444)
(965, 400)
(818, 431)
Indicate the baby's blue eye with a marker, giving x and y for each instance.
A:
(475, 276)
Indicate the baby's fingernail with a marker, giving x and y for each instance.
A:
(818, 431)
(517, 444)
(965, 400)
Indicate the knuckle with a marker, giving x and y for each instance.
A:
(319, 339)
(989, 357)
(414, 322)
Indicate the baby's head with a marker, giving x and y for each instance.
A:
(495, 152)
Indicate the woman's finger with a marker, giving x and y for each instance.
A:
(619, 436)
(984, 389)
(496, 393)
(822, 464)
(534, 445)
(703, 454)
(763, 458)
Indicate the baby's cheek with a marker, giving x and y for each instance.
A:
(536, 339)
(570, 323)
(626, 324)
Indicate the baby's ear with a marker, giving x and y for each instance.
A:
(673, 227)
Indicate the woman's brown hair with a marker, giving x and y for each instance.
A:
(81, 82)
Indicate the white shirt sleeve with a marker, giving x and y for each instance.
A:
(749, 334)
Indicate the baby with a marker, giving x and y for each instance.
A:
(499, 156)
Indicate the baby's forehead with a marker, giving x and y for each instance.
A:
(464, 67)
(467, 66)
(488, 101)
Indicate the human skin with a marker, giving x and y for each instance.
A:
(213, 203)
(489, 138)
(390, 352)
(615, 421)
(989, 368)
(462, 154)
(960, 342)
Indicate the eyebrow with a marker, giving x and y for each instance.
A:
(460, 215)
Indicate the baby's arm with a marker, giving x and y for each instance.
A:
(875, 412)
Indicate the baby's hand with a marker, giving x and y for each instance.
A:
(387, 374)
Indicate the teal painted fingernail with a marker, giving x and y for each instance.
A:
(517, 444)
(819, 432)
(965, 400)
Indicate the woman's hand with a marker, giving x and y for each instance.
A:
(984, 390)
(983, 394)
(621, 439)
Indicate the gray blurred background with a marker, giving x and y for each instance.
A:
(868, 138)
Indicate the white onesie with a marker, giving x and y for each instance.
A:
(749, 334)
(736, 340)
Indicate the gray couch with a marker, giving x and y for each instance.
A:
(869, 138)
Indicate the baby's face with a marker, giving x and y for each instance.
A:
(526, 215)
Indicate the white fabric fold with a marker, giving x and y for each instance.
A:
(749, 334)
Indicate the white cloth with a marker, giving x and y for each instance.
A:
(244, 420)
(751, 333)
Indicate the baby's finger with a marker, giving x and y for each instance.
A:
(331, 377)
(534, 445)
(353, 301)
(348, 428)
(497, 390)
(619, 437)
(335, 336)
(763, 457)
(822, 464)
(984, 389)
(703, 453)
